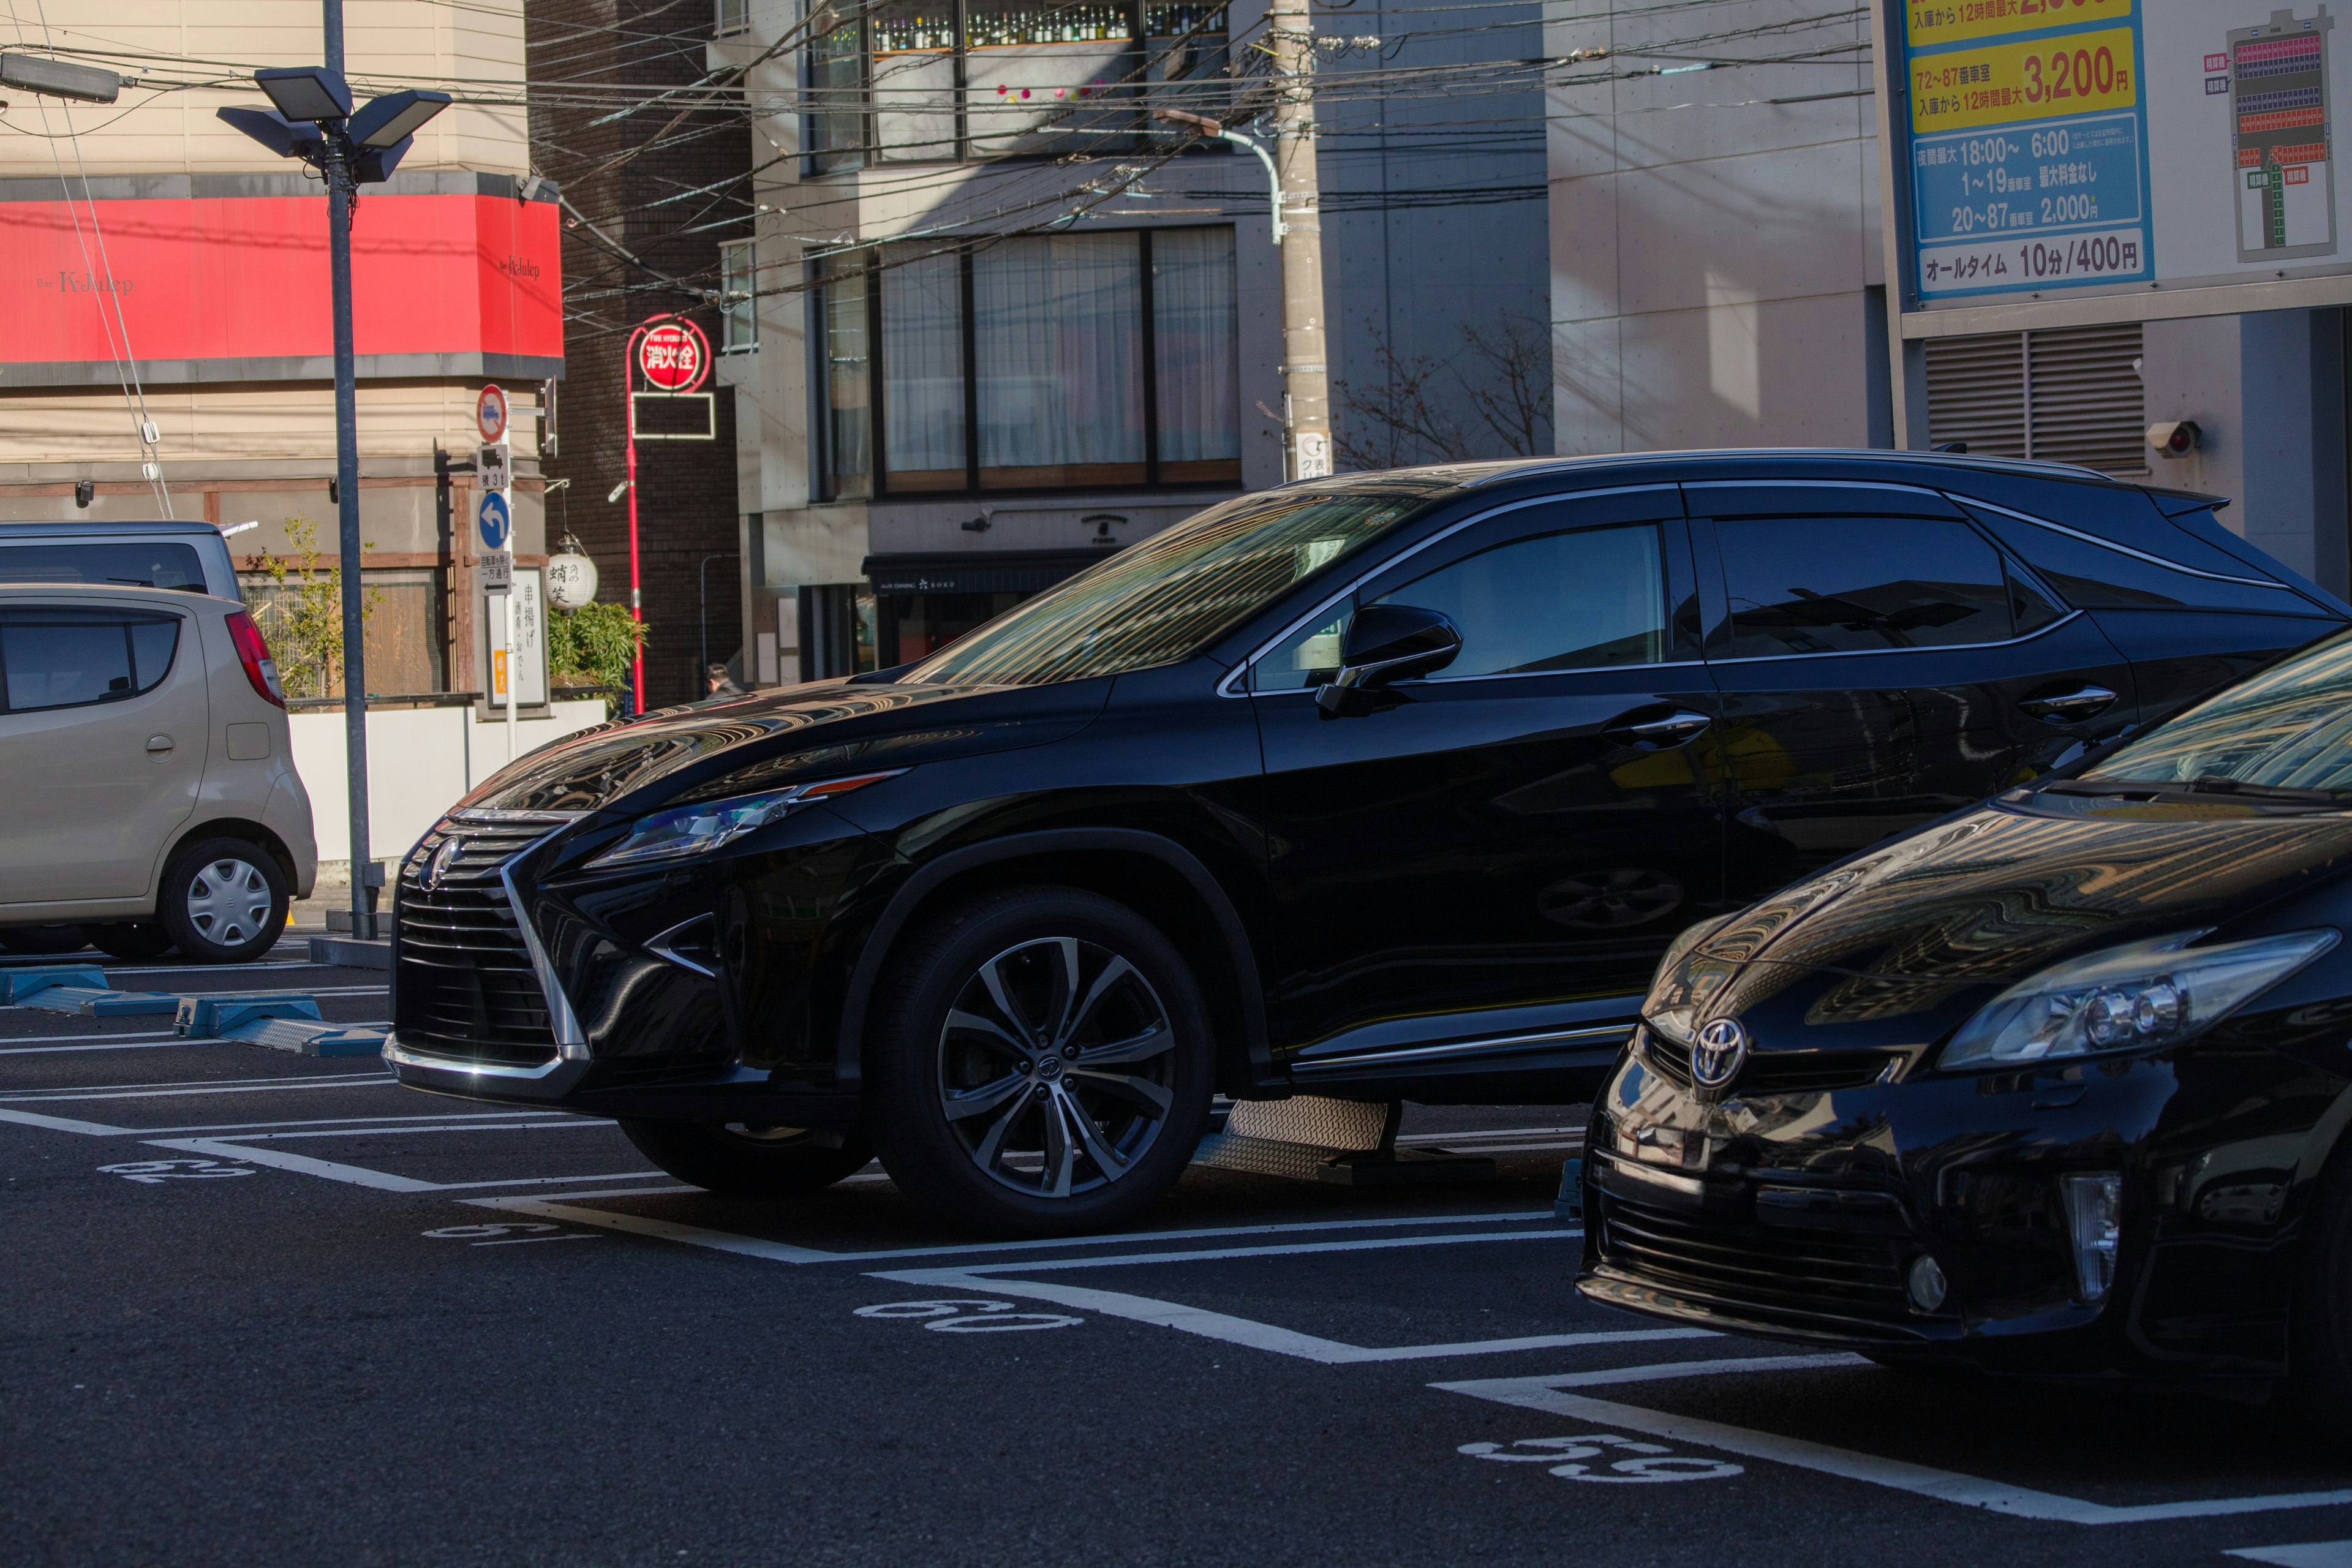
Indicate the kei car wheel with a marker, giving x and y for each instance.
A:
(1042, 1064)
(750, 1161)
(223, 900)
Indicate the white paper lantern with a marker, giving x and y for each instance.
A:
(570, 580)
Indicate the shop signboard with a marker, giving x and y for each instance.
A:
(2121, 151)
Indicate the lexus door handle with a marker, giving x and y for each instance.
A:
(2085, 702)
(158, 744)
(1667, 729)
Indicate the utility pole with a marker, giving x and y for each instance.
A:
(1306, 376)
(1295, 198)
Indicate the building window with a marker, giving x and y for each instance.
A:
(738, 284)
(842, 297)
(734, 16)
(1039, 363)
(2067, 394)
(926, 81)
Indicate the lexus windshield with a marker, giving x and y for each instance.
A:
(2286, 729)
(1156, 602)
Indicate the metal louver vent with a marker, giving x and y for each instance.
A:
(2069, 395)
(1975, 394)
(2088, 402)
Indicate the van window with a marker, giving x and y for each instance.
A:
(63, 657)
(1854, 585)
(163, 565)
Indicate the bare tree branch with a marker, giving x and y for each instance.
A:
(1425, 410)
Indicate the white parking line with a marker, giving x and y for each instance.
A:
(1550, 1395)
(273, 1086)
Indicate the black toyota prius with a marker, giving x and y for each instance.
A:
(1389, 786)
(2057, 1085)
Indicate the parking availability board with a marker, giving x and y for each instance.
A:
(2029, 151)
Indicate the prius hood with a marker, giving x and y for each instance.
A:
(711, 750)
(1954, 913)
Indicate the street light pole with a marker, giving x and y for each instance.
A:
(340, 190)
(311, 119)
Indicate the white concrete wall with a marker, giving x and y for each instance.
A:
(420, 761)
(1710, 248)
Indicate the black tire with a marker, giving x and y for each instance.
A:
(2319, 1319)
(750, 1162)
(133, 941)
(223, 900)
(1106, 1143)
(43, 942)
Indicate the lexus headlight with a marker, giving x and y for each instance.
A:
(699, 828)
(2139, 996)
(1682, 988)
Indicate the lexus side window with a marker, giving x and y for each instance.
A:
(1852, 584)
(1585, 600)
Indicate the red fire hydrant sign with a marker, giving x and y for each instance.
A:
(673, 356)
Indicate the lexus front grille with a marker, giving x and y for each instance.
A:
(467, 985)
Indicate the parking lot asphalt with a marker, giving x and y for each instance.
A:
(266, 1309)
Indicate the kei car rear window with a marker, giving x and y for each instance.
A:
(133, 565)
(68, 656)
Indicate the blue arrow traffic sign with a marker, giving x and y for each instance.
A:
(494, 521)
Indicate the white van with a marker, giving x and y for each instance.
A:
(147, 786)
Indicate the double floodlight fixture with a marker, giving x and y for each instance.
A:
(312, 107)
(306, 92)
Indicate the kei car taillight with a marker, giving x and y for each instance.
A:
(254, 654)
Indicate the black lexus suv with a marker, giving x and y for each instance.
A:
(1389, 786)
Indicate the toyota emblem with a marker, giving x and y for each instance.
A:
(1717, 1053)
(438, 867)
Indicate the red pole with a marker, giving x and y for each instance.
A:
(636, 603)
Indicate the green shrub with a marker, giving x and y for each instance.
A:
(592, 645)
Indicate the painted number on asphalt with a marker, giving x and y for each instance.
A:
(1571, 1458)
(173, 1169)
(508, 1234)
(970, 1317)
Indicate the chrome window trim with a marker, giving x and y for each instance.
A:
(1499, 1046)
(2128, 550)
(1240, 671)
(2065, 619)
(405, 1056)
(571, 1045)
(1536, 674)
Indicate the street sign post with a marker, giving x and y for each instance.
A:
(490, 413)
(494, 520)
(494, 466)
(673, 356)
(497, 571)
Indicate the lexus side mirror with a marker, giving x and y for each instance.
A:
(1385, 644)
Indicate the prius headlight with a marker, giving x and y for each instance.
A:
(699, 828)
(2139, 996)
(1683, 986)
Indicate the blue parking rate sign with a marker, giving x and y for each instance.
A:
(494, 521)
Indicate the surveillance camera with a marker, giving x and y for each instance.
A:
(618, 491)
(2174, 438)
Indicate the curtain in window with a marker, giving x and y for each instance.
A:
(1057, 337)
(1199, 388)
(923, 373)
